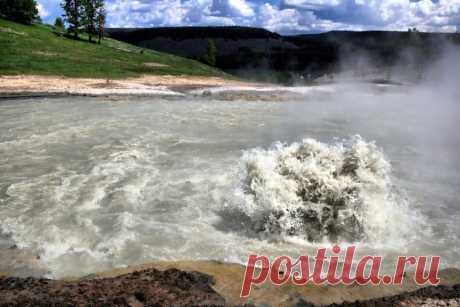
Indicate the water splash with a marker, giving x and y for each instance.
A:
(321, 192)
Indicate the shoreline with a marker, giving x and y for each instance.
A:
(165, 86)
(220, 284)
(228, 279)
(35, 86)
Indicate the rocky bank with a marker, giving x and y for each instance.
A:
(210, 283)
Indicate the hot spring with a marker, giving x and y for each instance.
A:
(89, 184)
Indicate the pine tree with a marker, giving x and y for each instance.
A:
(58, 23)
(23, 11)
(73, 15)
(210, 56)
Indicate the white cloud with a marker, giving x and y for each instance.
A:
(276, 20)
(145, 13)
(241, 8)
(312, 4)
(386, 14)
(286, 16)
(42, 11)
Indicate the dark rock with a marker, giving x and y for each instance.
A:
(429, 296)
(146, 288)
(140, 296)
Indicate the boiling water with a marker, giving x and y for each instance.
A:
(94, 183)
(324, 193)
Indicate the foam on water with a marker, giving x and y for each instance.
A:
(302, 90)
(91, 184)
(127, 90)
(81, 215)
(321, 192)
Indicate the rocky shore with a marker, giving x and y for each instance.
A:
(146, 288)
(430, 296)
(210, 283)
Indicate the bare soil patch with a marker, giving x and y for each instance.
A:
(9, 30)
(155, 65)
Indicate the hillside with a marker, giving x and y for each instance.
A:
(260, 54)
(39, 49)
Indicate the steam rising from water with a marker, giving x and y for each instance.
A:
(337, 192)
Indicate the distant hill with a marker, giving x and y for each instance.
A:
(192, 41)
(261, 54)
(40, 49)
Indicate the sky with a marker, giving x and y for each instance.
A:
(282, 16)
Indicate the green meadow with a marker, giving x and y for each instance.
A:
(43, 50)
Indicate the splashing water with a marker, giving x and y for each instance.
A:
(90, 184)
(337, 192)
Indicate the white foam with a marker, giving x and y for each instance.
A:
(137, 90)
(74, 217)
(302, 90)
(274, 180)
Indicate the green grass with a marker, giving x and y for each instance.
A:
(39, 50)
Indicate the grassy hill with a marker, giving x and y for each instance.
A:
(38, 49)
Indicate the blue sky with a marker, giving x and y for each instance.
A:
(283, 16)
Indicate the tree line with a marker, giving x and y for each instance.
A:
(22, 11)
(84, 16)
(79, 15)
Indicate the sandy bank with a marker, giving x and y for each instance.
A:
(146, 85)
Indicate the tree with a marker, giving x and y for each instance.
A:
(58, 23)
(73, 15)
(89, 18)
(210, 56)
(100, 21)
(93, 18)
(23, 11)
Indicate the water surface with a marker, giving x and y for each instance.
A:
(94, 183)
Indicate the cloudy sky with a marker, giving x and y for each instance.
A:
(283, 16)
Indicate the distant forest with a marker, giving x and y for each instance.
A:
(263, 55)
